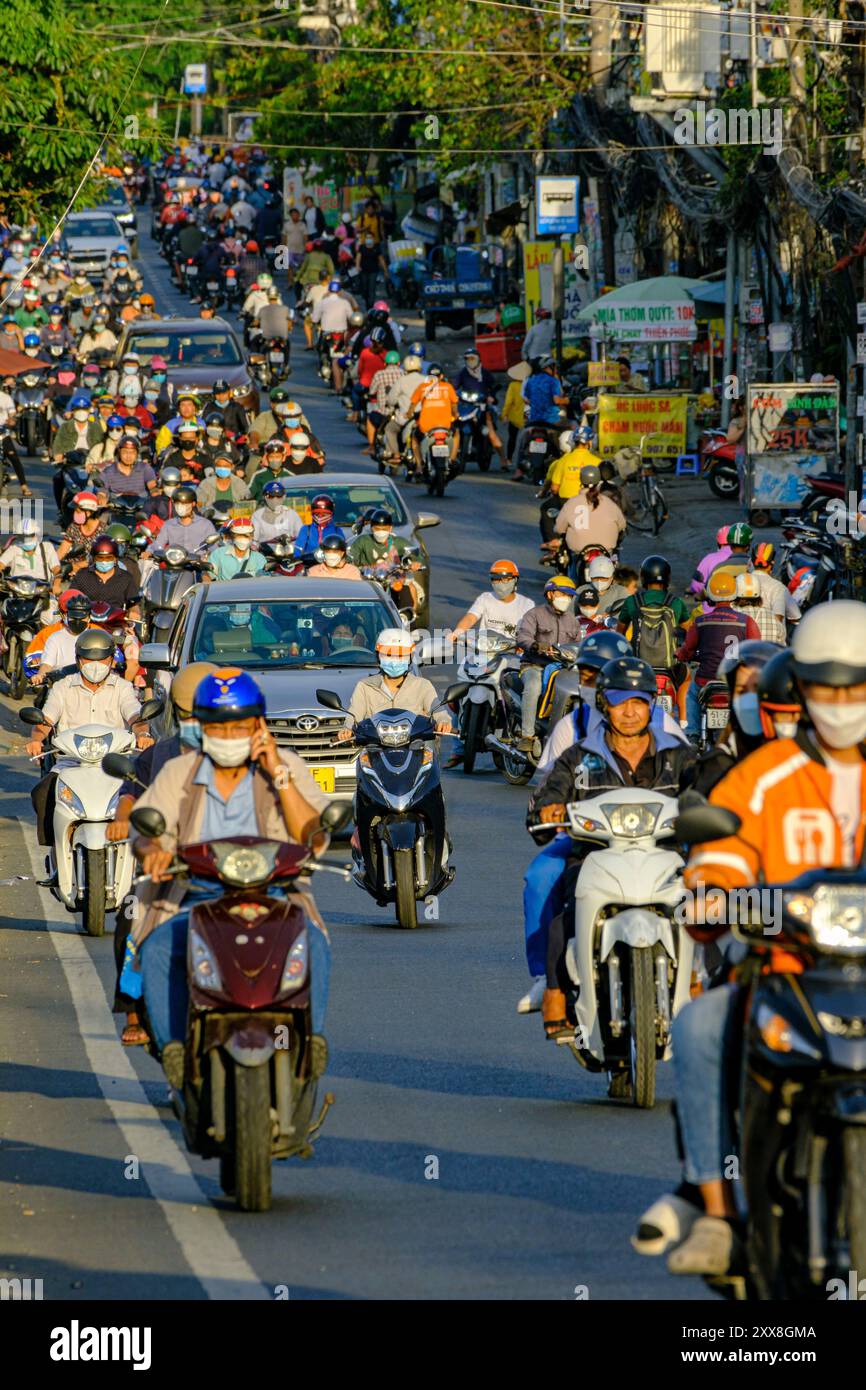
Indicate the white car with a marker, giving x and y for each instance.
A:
(88, 241)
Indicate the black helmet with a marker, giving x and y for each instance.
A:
(93, 645)
(184, 494)
(586, 596)
(626, 673)
(434, 369)
(215, 417)
(377, 335)
(381, 517)
(655, 569)
(755, 654)
(778, 691)
(78, 613)
(220, 386)
(599, 648)
(334, 543)
(377, 318)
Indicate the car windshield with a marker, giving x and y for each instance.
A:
(93, 226)
(115, 194)
(187, 349)
(290, 632)
(350, 501)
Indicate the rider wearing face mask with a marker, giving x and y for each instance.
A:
(236, 556)
(311, 536)
(304, 456)
(59, 649)
(544, 626)
(745, 732)
(103, 580)
(802, 806)
(379, 545)
(222, 488)
(186, 527)
(273, 468)
(334, 564)
(274, 518)
(269, 422)
(238, 784)
(500, 608)
(396, 686)
(30, 556)
(780, 703)
(187, 451)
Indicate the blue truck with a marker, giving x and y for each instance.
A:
(457, 280)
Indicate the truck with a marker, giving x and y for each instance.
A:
(457, 281)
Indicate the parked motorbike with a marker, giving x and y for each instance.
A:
(253, 1062)
(802, 1103)
(630, 961)
(399, 808)
(474, 438)
(719, 465)
(93, 875)
(25, 601)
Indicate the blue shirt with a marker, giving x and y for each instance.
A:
(227, 563)
(538, 393)
(310, 537)
(226, 819)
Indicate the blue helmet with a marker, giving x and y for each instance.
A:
(582, 435)
(226, 695)
(80, 401)
(274, 489)
(333, 286)
(31, 340)
(599, 648)
(416, 350)
(116, 422)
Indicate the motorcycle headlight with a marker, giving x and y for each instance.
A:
(91, 750)
(297, 963)
(202, 963)
(174, 555)
(70, 798)
(779, 1035)
(394, 735)
(632, 821)
(835, 917)
(243, 864)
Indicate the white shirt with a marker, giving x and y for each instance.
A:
(284, 523)
(778, 601)
(59, 649)
(310, 220)
(845, 801)
(243, 214)
(332, 313)
(22, 564)
(499, 616)
(70, 704)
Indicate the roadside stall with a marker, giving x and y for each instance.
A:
(792, 432)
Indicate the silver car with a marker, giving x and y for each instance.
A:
(88, 241)
(294, 636)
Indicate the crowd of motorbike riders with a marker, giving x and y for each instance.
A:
(727, 692)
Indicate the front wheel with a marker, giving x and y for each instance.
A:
(252, 1152)
(93, 906)
(407, 904)
(485, 455)
(854, 1154)
(15, 669)
(473, 736)
(642, 1042)
(724, 483)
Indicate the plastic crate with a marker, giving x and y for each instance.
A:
(499, 351)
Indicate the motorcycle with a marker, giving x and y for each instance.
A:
(537, 453)
(93, 875)
(482, 719)
(31, 414)
(801, 1063)
(26, 600)
(253, 1062)
(277, 352)
(399, 808)
(719, 464)
(329, 346)
(399, 580)
(715, 706)
(172, 575)
(560, 692)
(280, 558)
(437, 464)
(471, 421)
(232, 287)
(630, 961)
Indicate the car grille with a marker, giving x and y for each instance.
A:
(316, 745)
(95, 257)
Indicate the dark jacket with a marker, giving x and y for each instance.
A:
(600, 771)
(151, 761)
(542, 626)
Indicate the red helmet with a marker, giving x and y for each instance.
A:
(309, 246)
(504, 569)
(322, 507)
(252, 247)
(383, 305)
(66, 596)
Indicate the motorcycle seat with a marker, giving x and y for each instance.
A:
(514, 681)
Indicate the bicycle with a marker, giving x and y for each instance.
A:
(647, 509)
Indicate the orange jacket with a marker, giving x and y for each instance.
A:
(782, 794)
(438, 402)
(38, 642)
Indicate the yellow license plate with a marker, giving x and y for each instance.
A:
(325, 778)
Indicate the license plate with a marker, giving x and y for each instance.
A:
(537, 446)
(459, 303)
(213, 284)
(325, 778)
(666, 703)
(717, 718)
(192, 270)
(440, 450)
(275, 356)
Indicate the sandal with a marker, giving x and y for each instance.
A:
(133, 1034)
(26, 491)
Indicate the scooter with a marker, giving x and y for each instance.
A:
(474, 438)
(436, 462)
(560, 691)
(799, 1076)
(31, 419)
(537, 453)
(24, 604)
(715, 705)
(630, 960)
(399, 808)
(93, 875)
(719, 465)
(173, 574)
(483, 719)
(252, 1060)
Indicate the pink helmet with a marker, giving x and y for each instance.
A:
(383, 305)
(722, 535)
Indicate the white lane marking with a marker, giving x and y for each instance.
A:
(211, 1253)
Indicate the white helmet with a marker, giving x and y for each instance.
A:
(395, 641)
(299, 442)
(829, 645)
(602, 567)
(411, 363)
(747, 586)
(565, 441)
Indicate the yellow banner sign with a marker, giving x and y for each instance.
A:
(624, 420)
(604, 374)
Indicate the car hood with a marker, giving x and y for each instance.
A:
(289, 692)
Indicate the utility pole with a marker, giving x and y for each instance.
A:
(599, 71)
(730, 309)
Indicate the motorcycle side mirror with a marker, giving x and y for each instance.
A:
(147, 821)
(336, 816)
(152, 709)
(121, 766)
(700, 821)
(426, 519)
(331, 700)
(30, 715)
(455, 692)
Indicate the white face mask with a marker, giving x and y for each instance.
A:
(275, 503)
(80, 415)
(95, 671)
(602, 585)
(380, 537)
(561, 603)
(183, 509)
(226, 752)
(786, 728)
(242, 542)
(332, 560)
(840, 726)
(589, 612)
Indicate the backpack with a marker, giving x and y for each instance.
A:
(653, 639)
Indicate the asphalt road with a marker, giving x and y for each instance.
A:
(464, 1157)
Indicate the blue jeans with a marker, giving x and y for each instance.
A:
(693, 709)
(531, 677)
(166, 993)
(543, 899)
(700, 1039)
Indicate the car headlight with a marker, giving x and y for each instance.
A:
(202, 963)
(297, 962)
(779, 1035)
(70, 799)
(633, 821)
(90, 749)
(835, 917)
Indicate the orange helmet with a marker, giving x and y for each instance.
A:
(763, 555)
(504, 569)
(721, 586)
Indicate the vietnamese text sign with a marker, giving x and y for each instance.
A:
(790, 417)
(604, 373)
(556, 210)
(195, 79)
(624, 420)
(645, 322)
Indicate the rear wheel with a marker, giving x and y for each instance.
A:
(16, 670)
(643, 1027)
(854, 1154)
(439, 485)
(472, 735)
(404, 872)
(485, 454)
(252, 1155)
(723, 483)
(93, 905)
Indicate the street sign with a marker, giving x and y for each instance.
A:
(861, 347)
(781, 337)
(195, 79)
(556, 205)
